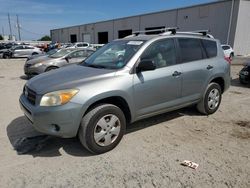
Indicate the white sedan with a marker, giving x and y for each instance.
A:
(228, 51)
(25, 51)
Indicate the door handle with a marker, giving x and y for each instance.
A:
(176, 73)
(209, 67)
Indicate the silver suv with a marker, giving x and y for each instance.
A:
(124, 81)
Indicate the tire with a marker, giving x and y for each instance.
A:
(6, 56)
(100, 139)
(50, 68)
(231, 56)
(211, 100)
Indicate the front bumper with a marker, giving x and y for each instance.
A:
(62, 121)
(31, 70)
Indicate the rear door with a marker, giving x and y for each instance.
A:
(158, 89)
(28, 50)
(196, 67)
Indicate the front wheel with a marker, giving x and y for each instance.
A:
(51, 68)
(211, 100)
(102, 128)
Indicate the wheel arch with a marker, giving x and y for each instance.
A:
(219, 80)
(115, 100)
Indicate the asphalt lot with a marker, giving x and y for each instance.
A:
(149, 154)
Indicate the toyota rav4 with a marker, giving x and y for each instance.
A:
(97, 98)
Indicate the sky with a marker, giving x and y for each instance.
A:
(38, 17)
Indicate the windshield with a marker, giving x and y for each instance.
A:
(114, 55)
(60, 53)
(51, 52)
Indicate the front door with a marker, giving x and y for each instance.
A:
(159, 89)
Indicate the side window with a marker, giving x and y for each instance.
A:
(78, 54)
(190, 49)
(28, 47)
(19, 48)
(210, 47)
(79, 45)
(161, 52)
(89, 52)
(225, 47)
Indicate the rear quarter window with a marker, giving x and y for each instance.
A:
(210, 48)
(190, 49)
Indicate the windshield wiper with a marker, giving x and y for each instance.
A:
(94, 66)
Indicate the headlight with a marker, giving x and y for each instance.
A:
(245, 73)
(58, 97)
(37, 65)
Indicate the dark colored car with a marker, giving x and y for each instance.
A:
(244, 75)
(4, 49)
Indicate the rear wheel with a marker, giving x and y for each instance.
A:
(211, 100)
(102, 128)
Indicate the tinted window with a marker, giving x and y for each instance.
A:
(190, 49)
(161, 52)
(18, 48)
(210, 47)
(29, 47)
(225, 47)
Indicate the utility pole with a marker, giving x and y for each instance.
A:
(3, 31)
(18, 28)
(10, 27)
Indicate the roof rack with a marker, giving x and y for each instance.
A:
(162, 30)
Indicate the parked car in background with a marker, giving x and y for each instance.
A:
(59, 59)
(244, 74)
(5, 48)
(21, 51)
(96, 99)
(66, 45)
(228, 51)
(81, 45)
(43, 54)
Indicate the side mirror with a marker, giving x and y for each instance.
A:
(67, 59)
(145, 65)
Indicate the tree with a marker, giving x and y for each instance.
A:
(45, 38)
(1, 37)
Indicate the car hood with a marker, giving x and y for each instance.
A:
(68, 77)
(36, 56)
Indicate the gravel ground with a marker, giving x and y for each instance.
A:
(149, 154)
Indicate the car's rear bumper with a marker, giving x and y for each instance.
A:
(62, 121)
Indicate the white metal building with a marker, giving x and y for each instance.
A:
(227, 20)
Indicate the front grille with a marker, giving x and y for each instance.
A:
(30, 95)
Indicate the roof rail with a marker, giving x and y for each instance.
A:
(162, 30)
(198, 32)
